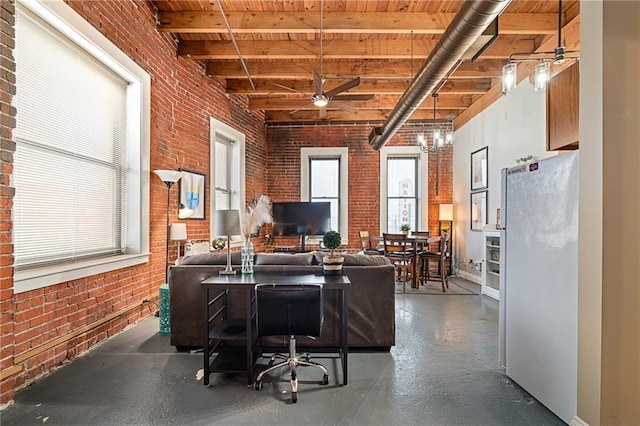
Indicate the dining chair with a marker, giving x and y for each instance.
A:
(399, 250)
(367, 247)
(426, 256)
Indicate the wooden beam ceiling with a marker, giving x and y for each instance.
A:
(384, 43)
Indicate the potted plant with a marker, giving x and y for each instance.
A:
(332, 264)
(405, 228)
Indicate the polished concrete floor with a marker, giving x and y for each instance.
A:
(442, 371)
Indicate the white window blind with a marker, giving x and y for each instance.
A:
(70, 161)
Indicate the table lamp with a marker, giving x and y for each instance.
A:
(178, 233)
(228, 223)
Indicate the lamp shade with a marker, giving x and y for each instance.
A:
(227, 222)
(446, 212)
(178, 232)
(168, 176)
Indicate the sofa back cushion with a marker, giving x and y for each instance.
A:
(301, 259)
(209, 259)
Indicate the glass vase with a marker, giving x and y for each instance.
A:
(247, 257)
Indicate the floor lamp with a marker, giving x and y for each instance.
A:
(446, 215)
(169, 177)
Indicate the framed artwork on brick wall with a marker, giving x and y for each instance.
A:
(193, 193)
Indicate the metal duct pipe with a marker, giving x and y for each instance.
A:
(468, 24)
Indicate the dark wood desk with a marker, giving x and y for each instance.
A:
(219, 329)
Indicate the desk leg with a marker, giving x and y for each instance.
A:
(205, 350)
(249, 342)
(345, 334)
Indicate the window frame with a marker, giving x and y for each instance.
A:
(64, 19)
(422, 205)
(342, 154)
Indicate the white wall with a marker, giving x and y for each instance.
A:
(513, 127)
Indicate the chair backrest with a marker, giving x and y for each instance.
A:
(444, 244)
(365, 240)
(395, 244)
(289, 309)
(424, 234)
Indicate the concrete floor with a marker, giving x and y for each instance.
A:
(442, 371)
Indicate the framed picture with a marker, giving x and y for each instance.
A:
(479, 166)
(478, 210)
(192, 193)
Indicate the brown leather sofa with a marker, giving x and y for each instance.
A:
(371, 298)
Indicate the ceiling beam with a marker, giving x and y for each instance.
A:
(389, 69)
(394, 87)
(378, 102)
(335, 49)
(306, 116)
(341, 22)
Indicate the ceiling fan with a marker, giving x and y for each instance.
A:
(333, 97)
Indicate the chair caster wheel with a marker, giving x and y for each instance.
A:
(257, 385)
(294, 397)
(325, 379)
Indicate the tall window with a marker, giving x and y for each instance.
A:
(403, 188)
(223, 172)
(324, 185)
(402, 192)
(324, 177)
(227, 147)
(80, 144)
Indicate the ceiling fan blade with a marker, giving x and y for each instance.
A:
(317, 81)
(323, 112)
(354, 97)
(344, 87)
(290, 89)
(343, 106)
(300, 109)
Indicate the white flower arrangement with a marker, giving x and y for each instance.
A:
(256, 215)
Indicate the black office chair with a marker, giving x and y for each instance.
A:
(292, 310)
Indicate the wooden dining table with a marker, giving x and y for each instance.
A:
(415, 242)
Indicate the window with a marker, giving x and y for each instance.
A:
(82, 141)
(403, 188)
(227, 147)
(324, 177)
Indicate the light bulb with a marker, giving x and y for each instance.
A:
(436, 134)
(541, 76)
(509, 77)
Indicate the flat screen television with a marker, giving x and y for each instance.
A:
(301, 218)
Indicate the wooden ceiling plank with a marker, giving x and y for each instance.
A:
(305, 116)
(341, 22)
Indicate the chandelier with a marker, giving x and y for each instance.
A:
(439, 136)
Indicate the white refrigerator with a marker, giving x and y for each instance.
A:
(539, 280)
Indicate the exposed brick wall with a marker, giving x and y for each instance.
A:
(283, 175)
(182, 100)
(7, 148)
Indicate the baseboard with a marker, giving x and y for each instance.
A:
(470, 277)
(577, 421)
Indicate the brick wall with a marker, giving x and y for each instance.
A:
(182, 100)
(283, 173)
(7, 148)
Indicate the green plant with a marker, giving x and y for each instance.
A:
(405, 227)
(332, 240)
